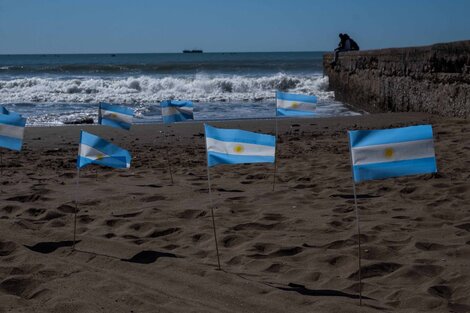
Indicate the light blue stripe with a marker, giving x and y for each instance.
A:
(167, 119)
(115, 123)
(215, 158)
(176, 103)
(12, 119)
(362, 138)
(290, 112)
(117, 108)
(115, 162)
(11, 143)
(294, 97)
(394, 169)
(238, 135)
(104, 146)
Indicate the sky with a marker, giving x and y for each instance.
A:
(154, 26)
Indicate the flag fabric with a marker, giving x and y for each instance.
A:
(95, 150)
(288, 104)
(4, 110)
(11, 130)
(234, 146)
(377, 154)
(176, 111)
(115, 116)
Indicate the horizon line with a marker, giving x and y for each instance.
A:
(181, 52)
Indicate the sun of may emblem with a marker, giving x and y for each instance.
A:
(238, 149)
(389, 153)
(100, 157)
(113, 115)
(294, 105)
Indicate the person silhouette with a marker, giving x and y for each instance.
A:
(346, 43)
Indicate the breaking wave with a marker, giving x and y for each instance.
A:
(151, 89)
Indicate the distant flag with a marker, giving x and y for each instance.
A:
(11, 130)
(234, 146)
(95, 150)
(176, 111)
(115, 116)
(288, 104)
(378, 154)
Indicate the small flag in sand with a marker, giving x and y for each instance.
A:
(115, 116)
(378, 154)
(233, 146)
(11, 129)
(176, 111)
(288, 104)
(95, 150)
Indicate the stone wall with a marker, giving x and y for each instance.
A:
(433, 79)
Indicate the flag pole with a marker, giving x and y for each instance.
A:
(212, 209)
(76, 208)
(168, 156)
(358, 242)
(275, 151)
(357, 224)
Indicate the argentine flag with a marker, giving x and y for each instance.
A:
(234, 146)
(176, 111)
(288, 104)
(95, 150)
(115, 116)
(11, 130)
(378, 154)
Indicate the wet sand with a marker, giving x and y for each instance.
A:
(146, 245)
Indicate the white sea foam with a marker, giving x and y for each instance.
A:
(56, 100)
(152, 89)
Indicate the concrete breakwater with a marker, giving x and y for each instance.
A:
(433, 79)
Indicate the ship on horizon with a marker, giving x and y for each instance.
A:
(193, 51)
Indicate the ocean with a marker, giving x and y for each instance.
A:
(55, 89)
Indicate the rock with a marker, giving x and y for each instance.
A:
(433, 79)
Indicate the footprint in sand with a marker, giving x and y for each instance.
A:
(7, 247)
(164, 232)
(153, 198)
(66, 208)
(377, 269)
(283, 252)
(148, 257)
(49, 247)
(9, 209)
(19, 286)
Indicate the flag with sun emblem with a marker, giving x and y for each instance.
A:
(176, 111)
(377, 154)
(288, 104)
(95, 150)
(115, 116)
(235, 146)
(11, 129)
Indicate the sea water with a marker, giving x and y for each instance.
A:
(53, 89)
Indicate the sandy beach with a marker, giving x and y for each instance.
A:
(146, 245)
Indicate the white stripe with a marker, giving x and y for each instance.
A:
(239, 148)
(176, 110)
(11, 131)
(90, 152)
(400, 151)
(295, 105)
(111, 115)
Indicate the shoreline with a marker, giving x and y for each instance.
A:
(147, 245)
